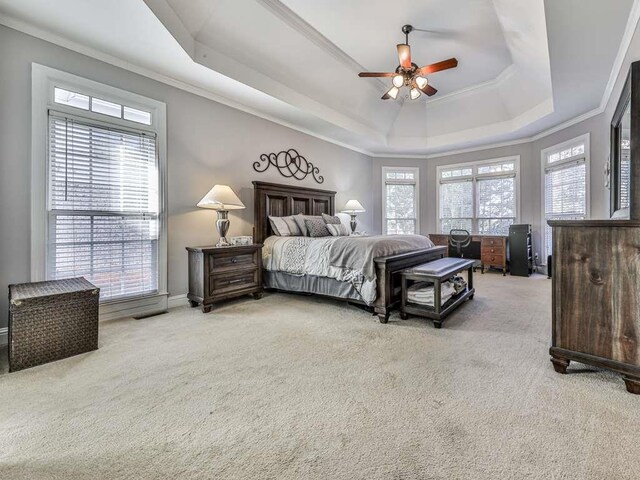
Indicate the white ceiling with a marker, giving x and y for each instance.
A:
(524, 65)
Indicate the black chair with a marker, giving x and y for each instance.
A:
(459, 239)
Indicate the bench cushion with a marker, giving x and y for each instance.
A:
(438, 267)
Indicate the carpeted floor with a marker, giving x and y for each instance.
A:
(293, 387)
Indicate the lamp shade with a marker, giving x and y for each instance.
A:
(353, 206)
(221, 197)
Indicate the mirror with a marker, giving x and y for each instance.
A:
(621, 155)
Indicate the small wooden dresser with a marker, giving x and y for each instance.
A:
(494, 252)
(493, 249)
(221, 273)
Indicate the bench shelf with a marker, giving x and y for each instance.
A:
(437, 272)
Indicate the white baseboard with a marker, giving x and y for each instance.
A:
(134, 307)
(174, 301)
(178, 300)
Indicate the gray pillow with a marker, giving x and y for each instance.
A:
(299, 219)
(330, 219)
(337, 230)
(316, 227)
(285, 226)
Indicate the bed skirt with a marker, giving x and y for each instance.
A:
(329, 287)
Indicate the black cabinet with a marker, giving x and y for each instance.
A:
(520, 250)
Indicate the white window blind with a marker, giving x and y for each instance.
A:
(496, 204)
(479, 197)
(456, 205)
(103, 209)
(565, 185)
(400, 197)
(625, 172)
(565, 195)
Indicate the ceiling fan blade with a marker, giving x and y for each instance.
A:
(404, 55)
(438, 67)
(377, 74)
(428, 90)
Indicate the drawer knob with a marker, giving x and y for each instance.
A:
(234, 260)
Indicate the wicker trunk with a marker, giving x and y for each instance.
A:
(51, 320)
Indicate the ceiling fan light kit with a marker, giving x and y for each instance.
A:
(408, 74)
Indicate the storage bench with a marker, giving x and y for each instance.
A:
(51, 320)
(436, 272)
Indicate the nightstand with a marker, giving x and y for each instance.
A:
(220, 273)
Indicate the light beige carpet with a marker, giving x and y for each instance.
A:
(293, 387)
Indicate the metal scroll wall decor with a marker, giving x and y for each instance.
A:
(290, 164)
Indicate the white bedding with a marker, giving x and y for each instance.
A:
(310, 256)
(346, 259)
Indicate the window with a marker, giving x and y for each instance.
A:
(565, 184)
(400, 200)
(98, 105)
(480, 197)
(103, 206)
(98, 163)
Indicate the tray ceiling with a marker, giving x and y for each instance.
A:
(296, 61)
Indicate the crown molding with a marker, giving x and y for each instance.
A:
(507, 73)
(274, 5)
(55, 39)
(509, 143)
(288, 16)
(625, 43)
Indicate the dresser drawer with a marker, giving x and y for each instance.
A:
(233, 281)
(493, 260)
(221, 260)
(492, 242)
(489, 250)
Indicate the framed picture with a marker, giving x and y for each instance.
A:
(242, 240)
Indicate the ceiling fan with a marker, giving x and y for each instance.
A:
(409, 74)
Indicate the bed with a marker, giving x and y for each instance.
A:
(271, 199)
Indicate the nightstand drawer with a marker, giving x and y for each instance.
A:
(217, 274)
(235, 281)
(221, 260)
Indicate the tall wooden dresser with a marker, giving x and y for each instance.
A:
(596, 263)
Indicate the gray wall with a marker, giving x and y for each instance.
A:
(530, 164)
(208, 143)
(530, 176)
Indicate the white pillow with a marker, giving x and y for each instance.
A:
(345, 219)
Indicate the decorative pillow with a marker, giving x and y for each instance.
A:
(299, 219)
(285, 226)
(329, 219)
(316, 227)
(338, 230)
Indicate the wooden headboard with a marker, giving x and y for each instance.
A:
(282, 200)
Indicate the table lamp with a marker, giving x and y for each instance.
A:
(221, 199)
(352, 207)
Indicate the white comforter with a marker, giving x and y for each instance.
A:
(310, 256)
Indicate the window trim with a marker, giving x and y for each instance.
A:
(474, 164)
(44, 79)
(416, 172)
(586, 139)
